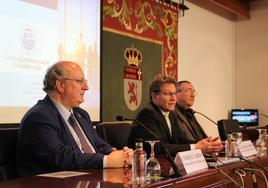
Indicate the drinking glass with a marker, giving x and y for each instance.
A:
(232, 144)
(238, 138)
(261, 142)
(152, 164)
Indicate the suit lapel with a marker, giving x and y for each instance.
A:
(162, 120)
(204, 135)
(48, 101)
(164, 124)
(182, 117)
(175, 126)
(67, 131)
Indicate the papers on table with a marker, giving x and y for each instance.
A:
(63, 174)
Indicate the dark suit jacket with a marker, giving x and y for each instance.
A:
(45, 143)
(186, 127)
(152, 118)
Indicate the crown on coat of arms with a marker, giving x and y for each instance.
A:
(133, 56)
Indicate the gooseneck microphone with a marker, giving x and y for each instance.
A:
(213, 154)
(264, 115)
(165, 150)
(196, 112)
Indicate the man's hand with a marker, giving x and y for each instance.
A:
(119, 158)
(128, 152)
(115, 159)
(209, 145)
(211, 139)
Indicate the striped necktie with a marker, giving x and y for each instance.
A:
(85, 146)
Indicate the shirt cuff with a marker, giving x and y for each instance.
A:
(104, 161)
(192, 146)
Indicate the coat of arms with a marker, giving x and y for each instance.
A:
(132, 78)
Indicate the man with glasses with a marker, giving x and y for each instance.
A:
(188, 123)
(56, 135)
(159, 116)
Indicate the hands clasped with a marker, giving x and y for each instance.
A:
(209, 144)
(119, 158)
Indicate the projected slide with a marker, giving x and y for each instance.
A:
(34, 35)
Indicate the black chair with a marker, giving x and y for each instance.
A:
(114, 133)
(226, 126)
(8, 142)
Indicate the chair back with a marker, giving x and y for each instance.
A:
(114, 133)
(8, 142)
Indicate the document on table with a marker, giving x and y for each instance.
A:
(63, 174)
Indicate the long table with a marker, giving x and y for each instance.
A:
(94, 178)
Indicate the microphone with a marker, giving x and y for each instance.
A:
(213, 154)
(196, 112)
(122, 118)
(264, 115)
(164, 149)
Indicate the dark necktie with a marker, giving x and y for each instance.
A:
(85, 147)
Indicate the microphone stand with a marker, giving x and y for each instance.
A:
(164, 149)
(206, 117)
(214, 155)
(266, 116)
(263, 115)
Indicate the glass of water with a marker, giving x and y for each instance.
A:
(261, 142)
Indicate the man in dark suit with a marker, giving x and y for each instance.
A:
(160, 118)
(189, 124)
(55, 134)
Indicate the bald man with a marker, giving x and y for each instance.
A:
(56, 134)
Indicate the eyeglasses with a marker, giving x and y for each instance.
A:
(166, 93)
(189, 90)
(79, 81)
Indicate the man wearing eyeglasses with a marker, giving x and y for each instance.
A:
(188, 123)
(56, 135)
(159, 116)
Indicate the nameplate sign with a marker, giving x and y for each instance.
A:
(246, 149)
(190, 161)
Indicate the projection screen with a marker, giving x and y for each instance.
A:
(34, 35)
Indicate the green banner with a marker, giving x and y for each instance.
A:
(113, 63)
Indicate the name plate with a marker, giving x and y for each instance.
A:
(190, 161)
(246, 149)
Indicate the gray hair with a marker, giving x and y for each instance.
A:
(180, 84)
(53, 73)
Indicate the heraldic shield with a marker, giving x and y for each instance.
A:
(132, 87)
(133, 78)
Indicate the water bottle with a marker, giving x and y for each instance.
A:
(139, 163)
(228, 152)
(230, 146)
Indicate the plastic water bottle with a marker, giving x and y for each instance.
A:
(139, 163)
